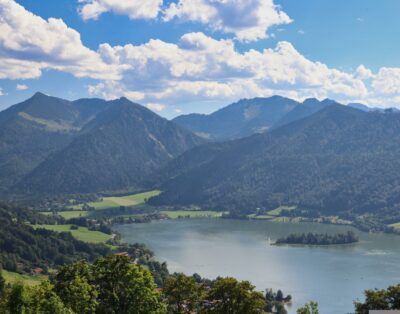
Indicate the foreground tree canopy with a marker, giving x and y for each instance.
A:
(116, 285)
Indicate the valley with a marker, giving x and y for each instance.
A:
(199, 157)
(122, 175)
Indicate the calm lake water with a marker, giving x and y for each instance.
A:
(333, 276)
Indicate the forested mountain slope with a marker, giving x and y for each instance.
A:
(34, 129)
(23, 247)
(116, 150)
(339, 159)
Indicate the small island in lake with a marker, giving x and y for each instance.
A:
(319, 239)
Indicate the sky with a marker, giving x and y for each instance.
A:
(183, 56)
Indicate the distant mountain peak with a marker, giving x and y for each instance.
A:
(40, 95)
(314, 101)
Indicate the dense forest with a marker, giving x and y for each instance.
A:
(339, 161)
(51, 146)
(23, 248)
(319, 238)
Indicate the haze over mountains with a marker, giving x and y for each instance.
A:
(317, 155)
(249, 116)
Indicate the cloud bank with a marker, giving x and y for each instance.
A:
(248, 20)
(197, 68)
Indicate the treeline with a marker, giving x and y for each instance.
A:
(115, 284)
(23, 248)
(319, 238)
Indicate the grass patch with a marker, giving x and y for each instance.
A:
(396, 225)
(117, 201)
(278, 211)
(254, 216)
(82, 233)
(174, 214)
(69, 214)
(73, 214)
(26, 279)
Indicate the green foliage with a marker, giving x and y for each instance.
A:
(319, 239)
(2, 283)
(111, 285)
(16, 301)
(229, 296)
(383, 299)
(74, 285)
(125, 288)
(309, 308)
(183, 294)
(43, 299)
(23, 248)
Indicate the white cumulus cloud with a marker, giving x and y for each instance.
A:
(156, 107)
(21, 87)
(248, 20)
(200, 68)
(135, 9)
(363, 73)
(197, 68)
(29, 44)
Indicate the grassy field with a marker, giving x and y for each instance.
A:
(26, 279)
(82, 233)
(396, 225)
(192, 214)
(254, 216)
(117, 201)
(278, 211)
(69, 214)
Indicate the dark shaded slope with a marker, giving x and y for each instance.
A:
(339, 159)
(32, 130)
(114, 151)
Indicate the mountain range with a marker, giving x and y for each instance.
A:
(249, 116)
(53, 146)
(315, 155)
(339, 159)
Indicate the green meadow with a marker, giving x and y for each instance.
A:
(26, 279)
(82, 233)
(69, 214)
(254, 216)
(117, 201)
(396, 225)
(278, 211)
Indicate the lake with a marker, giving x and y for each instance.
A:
(334, 276)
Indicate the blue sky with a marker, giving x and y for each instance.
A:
(181, 61)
